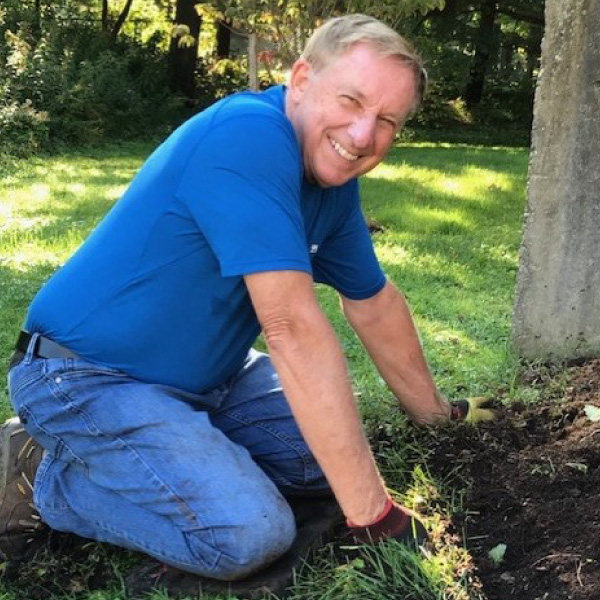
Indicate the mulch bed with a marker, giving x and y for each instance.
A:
(534, 479)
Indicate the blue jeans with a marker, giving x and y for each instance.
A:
(196, 481)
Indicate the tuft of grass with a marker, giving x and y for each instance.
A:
(386, 570)
(451, 218)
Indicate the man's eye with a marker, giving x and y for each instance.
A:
(350, 100)
(389, 123)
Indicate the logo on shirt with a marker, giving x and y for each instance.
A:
(313, 249)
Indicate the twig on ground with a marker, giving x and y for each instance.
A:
(555, 555)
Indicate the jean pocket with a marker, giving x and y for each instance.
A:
(76, 368)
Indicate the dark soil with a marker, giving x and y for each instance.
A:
(534, 481)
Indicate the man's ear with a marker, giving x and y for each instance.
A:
(299, 77)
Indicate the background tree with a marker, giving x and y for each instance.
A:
(84, 69)
(183, 51)
(223, 38)
(284, 25)
(485, 42)
(120, 19)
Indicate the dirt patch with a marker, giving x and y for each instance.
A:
(534, 481)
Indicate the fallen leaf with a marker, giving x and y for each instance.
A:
(592, 412)
(497, 553)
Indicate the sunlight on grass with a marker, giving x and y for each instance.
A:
(39, 192)
(451, 185)
(31, 256)
(394, 172)
(394, 254)
(113, 193)
(432, 218)
(471, 183)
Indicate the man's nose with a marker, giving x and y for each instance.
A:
(362, 130)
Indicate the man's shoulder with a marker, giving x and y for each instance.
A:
(244, 118)
(249, 104)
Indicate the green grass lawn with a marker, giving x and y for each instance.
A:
(451, 218)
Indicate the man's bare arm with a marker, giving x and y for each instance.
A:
(315, 380)
(386, 328)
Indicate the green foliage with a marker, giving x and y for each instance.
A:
(438, 112)
(507, 103)
(56, 59)
(447, 38)
(23, 130)
(220, 79)
(88, 86)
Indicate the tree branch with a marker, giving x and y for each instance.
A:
(105, 15)
(121, 19)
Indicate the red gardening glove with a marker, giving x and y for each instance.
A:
(396, 522)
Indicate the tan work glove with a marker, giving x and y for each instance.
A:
(474, 410)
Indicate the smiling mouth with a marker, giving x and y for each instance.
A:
(342, 151)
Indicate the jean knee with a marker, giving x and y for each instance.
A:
(246, 547)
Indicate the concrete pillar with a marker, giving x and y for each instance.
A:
(557, 309)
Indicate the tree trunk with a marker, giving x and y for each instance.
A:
(557, 312)
(36, 29)
(223, 38)
(507, 55)
(252, 62)
(104, 15)
(182, 59)
(534, 48)
(484, 44)
(121, 20)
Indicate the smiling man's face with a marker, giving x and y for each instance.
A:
(347, 114)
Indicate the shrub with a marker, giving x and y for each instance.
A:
(23, 130)
(440, 112)
(89, 86)
(217, 80)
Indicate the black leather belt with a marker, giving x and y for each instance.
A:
(44, 348)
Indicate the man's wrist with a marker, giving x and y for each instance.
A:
(445, 405)
(370, 512)
(386, 509)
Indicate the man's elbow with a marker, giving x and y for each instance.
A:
(280, 332)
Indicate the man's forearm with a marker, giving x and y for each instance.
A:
(387, 330)
(315, 380)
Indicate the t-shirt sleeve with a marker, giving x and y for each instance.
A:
(346, 260)
(242, 186)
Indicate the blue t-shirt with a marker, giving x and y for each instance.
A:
(157, 289)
